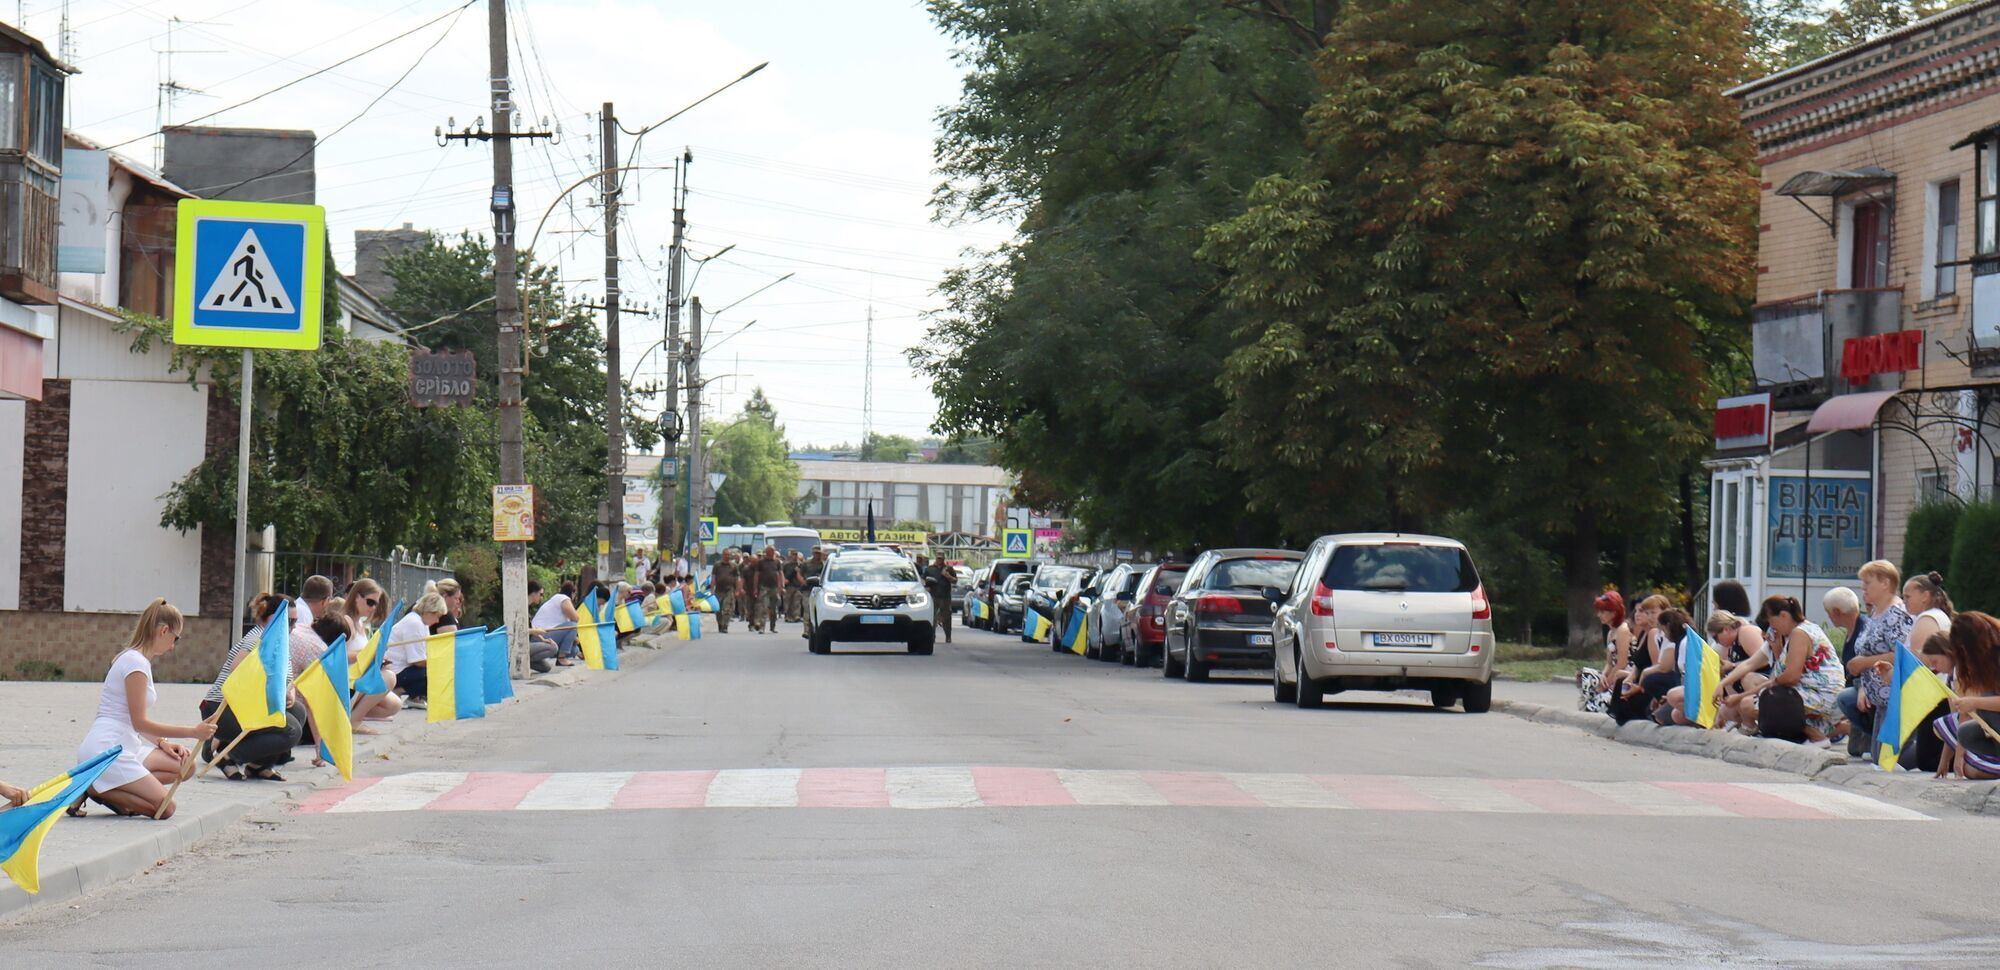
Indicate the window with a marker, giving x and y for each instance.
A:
(1401, 568)
(1254, 573)
(935, 508)
(1869, 267)
(907, 503)
(1932, 486)
(1944, 253)
(10, 102)
(45, 116)
(968, 511)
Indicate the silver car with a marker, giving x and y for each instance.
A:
(1384, 612)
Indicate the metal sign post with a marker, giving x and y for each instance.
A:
(242, 503)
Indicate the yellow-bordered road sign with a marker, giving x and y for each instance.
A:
(249, 274)
(1016, 543)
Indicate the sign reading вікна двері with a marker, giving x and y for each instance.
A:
(249, 274)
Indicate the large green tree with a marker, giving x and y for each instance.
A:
(763, 484)
(1089, 348)
(1494, 282)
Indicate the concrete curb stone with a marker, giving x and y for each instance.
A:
(151, 842)
(1817, 764)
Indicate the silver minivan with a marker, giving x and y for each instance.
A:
(1380, 611)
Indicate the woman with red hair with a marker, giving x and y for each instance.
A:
(1596, 686)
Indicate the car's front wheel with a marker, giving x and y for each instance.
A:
(922, 645)
(820, 641)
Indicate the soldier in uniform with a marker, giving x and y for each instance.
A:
(795, 587)
(769, 571)
(938, 580)
(724, 579)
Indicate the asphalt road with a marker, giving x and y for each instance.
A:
(1432, 839)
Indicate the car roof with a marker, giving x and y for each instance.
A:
(1362, 538)
(1250, 553)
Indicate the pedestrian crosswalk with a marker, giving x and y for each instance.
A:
(915, 788)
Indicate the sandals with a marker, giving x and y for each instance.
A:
(267, 774)
(75, 809)
(232, 771)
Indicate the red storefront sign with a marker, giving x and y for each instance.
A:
(1743, 422)
(1887, 353)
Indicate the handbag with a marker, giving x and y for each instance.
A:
(1781, 714)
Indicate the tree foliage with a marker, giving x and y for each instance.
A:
(888, 447)
(1784, 33)
(763, 484)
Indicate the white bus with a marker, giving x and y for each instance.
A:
(786, 536)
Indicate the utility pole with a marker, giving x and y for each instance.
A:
(614, 405)
(697, 476)
(507, 314)
(676, 262)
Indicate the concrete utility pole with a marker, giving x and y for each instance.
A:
(676, 262)
(697, 475)
(614, 404)
(507, 304)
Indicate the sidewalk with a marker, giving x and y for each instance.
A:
(1553, 703)
(41, 723)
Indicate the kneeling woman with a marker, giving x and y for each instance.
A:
(1975, 670)
(407, 659)
(260, 753)
(136, 783)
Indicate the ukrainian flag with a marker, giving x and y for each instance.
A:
(255, 687)
(499, 679)
(687, 626)
(1701, 678)
(323, 687)
(1037, 627)
(457, 662)
(1078, 633)
(624, 615)
(586, 634)
(366, 674)
(1913, 693)
(980, 610)
(22, 829)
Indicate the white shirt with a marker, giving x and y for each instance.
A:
(412, 628)
(551, 615)
(112, 704)
(302, 613)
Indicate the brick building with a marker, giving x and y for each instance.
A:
(1876, 333)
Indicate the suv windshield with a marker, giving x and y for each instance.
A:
(1402, 568)
(1251, 574)
(873, 569)
(1058, 577)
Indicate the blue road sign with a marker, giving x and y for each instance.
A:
(1016, 543)
(250, 275)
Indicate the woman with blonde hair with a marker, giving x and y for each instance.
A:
(406, 653)
(454, 604)
(366, 608)
(1889, 623)
(136, 782)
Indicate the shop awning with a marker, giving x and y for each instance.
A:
(1839, 181)
(1848, 412)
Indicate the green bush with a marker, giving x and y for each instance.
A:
(477, 567)
(1974, 577)
(37, 670)
(1927, 542)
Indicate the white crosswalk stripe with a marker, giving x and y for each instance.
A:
(754, 788)
(932, 788)
(1109, 788)
(576, 792)
(402, 793)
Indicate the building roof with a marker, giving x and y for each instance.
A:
(142, 172)
(1871, 43)
(921, 473)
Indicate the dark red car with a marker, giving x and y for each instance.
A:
(1144, 629)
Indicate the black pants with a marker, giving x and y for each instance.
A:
(1623, 708)
(414, 681)
(262, 748)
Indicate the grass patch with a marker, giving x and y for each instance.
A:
(1517, 661)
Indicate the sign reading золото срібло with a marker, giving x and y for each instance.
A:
(441, 378)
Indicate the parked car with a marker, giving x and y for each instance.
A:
(869, 596)
(961, 587)
(1050, 588)
(975, 582)
(1384, 612)
(1144, 627)
(1010, 603)
(1220, 618)
(996, 579)
(1115, 594)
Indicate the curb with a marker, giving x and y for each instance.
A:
(153, 843)
(1815, 764)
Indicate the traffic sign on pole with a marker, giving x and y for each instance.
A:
(1016, 543)
(709, 526)
(249, 274)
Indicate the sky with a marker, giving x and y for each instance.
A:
(819, 165)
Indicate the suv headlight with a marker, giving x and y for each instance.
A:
(918, 599)
(835, 599)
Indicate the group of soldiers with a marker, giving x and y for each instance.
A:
(763, 587)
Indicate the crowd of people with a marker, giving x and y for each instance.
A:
(1786, 677)
(155, 753)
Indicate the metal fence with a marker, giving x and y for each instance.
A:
(402, 573)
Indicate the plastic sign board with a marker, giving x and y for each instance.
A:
(513, 513)
(1743, 422)
(249, 274)
(905, 537)
(1016, 543)
(710, 525)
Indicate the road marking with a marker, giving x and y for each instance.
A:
(947, 787)
(754, 788)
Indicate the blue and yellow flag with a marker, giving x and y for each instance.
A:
(323, 687)
(1079, 631)
(1036, 627)
(1701, 678)
(366, 674)
(635, 614)
(587, 639)
(979, 609)
(255, 687)
(22, 829)
(1914, 692)
(457, 662)
(687, 625)
(622, 617)
(499, 679)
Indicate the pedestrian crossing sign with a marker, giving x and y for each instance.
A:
(1016, 543)
(709, 525)
(249, 274)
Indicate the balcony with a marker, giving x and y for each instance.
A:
(1796, 345)
(29, 218)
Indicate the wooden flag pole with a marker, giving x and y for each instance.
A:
(224, 753)
(212, 718)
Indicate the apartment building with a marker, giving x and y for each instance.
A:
(1876, 333)
(838, 494)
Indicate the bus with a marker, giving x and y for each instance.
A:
(786, 536)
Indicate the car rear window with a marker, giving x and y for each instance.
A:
(1251, 574)
(1052, 577)
(1015, 583)
(1399, 568)
(1168, 581)
(1131, 582)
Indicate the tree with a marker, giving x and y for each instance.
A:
(888, 447)
(1089, 349)
(1493, 282)
(763, 484)
(963, 450)
(1783, 33)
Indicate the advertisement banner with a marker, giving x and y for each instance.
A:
(86, 210)
(1840, 527)
(907, 537)
(513, 513)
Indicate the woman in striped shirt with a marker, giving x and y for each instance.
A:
(259, 754)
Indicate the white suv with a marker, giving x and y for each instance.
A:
(869, 596)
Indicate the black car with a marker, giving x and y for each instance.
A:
(1010, 603)
(992, 580)
(1220, 618)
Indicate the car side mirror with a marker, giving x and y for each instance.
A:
(1274, 594)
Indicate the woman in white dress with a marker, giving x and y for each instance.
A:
(136, 783)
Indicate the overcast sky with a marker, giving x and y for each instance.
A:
(820, 165)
